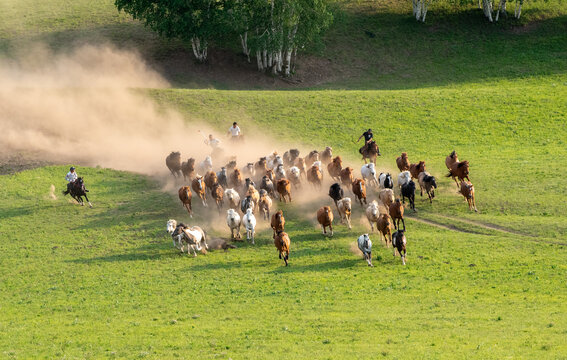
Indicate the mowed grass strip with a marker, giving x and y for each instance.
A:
(106, 281)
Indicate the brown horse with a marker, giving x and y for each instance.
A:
(359, 190)
(235, 179)
(327, 155)
(217, 193)
(188, 168)
(282, 244)
(283, 187)
(397, 213)
(300, 163)
(334, 168)
(459, 170)
(370, 152)
(347, 176)
(173, 162)
(277, 222)
(467, 190)
(185, 197)
(210, 180)
(403, 162)
(314, 176)
(198, 186)
(415, 169)
(451, 159)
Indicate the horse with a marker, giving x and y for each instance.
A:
(416, 168)
(188, 168)
(365, 245)
(459, 170)
(327, 155)
(334, 168)
(198, 187)
(370, 152)
(185, 197)
(77, 191)
(451, 159)
(282, 244)
(403, 162)
(173, 162)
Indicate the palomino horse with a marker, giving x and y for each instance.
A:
(370, 152)
(78, 190)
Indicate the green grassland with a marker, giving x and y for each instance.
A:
(106, 282)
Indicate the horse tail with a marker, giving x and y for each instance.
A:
(449, 174)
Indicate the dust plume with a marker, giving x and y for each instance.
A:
(88, 107)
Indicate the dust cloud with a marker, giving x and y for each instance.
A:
(88, 107)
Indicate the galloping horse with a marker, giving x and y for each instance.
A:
(370, 152)
(78, 190)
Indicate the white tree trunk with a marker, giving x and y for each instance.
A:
(244, 42)
(259, 60)
(518, 9)
(487, 9)
(199, 50)
(424, 10)
(288, 62)
(265, 58)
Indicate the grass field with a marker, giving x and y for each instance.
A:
(106, 282)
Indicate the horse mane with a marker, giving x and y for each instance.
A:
(452, 154)
(463, 163)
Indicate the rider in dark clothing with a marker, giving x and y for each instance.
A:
(368, 137)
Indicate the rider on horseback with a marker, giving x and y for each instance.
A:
(368, 138)
(70, 177)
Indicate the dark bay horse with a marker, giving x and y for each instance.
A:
(78, 190)
(371, 151)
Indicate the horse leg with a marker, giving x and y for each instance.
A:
(90, 205)
(403, 223)
(331, 227)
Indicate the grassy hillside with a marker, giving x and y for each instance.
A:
(514, 137)
(105, 282)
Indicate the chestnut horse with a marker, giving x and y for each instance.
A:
(370, 152)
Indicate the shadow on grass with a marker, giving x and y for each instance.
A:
(322, 267)
(451, 47)
(154, 251)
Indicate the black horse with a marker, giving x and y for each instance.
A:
(77, 191)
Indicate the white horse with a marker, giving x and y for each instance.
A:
(365, 245)
(403, 178)
(368, 172)
(249, 222)
(280, 172)
(233, 198)
(206, 165)
(233, 222)
(193, 237)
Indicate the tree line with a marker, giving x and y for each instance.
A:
(271, 31)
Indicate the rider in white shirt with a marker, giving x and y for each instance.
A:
(71, 177)
(214, 143)
(234, 130)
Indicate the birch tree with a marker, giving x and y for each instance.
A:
(420, 9)
(279, 28)
(193, 21)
